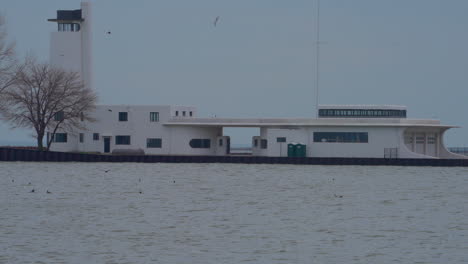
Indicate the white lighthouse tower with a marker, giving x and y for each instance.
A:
(70, 45)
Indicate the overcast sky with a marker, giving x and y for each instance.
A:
(260, 59)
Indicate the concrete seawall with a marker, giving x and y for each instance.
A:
(13, 154)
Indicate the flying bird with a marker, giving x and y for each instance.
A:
(216, 21)
(108, 32)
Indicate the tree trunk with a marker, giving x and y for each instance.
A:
(40, 146)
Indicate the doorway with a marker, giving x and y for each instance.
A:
(107, 142)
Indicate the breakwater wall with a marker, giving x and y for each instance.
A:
(13, 154)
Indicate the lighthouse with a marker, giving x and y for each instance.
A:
(70, 45)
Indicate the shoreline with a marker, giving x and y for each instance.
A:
(28, 155)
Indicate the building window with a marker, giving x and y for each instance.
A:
(220, 142)
(154, 116)
(81, 137)
(190, 113)
(176, 113)
(59, 138)
(408, 139)
(255, 142)
(263, 143)
(81, 116)
(153, 143)
(73, 27)
(200, 143)
(122, 140)
(183, 113)
(59, 116)
(362, 113)
(280, 139)
(341, 137)
(95, 136)
(123, 116)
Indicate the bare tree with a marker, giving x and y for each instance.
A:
(47, 99)
(7, 58)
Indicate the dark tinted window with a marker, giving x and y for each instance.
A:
(123, 116)
(362, 113)
(200, 143)
(263, 143)
(59, 137)
(59, 116)
(122, 140)
(343, 137)
(154, 116)
(153, 143)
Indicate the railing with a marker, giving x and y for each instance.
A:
(11, 154)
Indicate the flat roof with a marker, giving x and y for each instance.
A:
(304, 122)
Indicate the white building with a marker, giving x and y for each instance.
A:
(368, 131)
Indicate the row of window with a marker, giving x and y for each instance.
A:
(362, 113)
(329, 137)
(420, 140)
(321, 137)
(74, 27)
(123, 116)
(263, 143)
(341, 137)
(153, 116)
(184, 113)
(126, 140)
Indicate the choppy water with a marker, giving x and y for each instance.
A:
(231, 213)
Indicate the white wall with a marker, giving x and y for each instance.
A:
(175, 140)
(277, 149)
(379, 139)
(65, 50)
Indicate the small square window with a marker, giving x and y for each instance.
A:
(176, 113)
(123, 116)
(154, 116)
(263, 144)
(95, 136)
(81, 137)
(255, 142)
(183, 113)
(220, 142)
(190, 113)
(59, 116)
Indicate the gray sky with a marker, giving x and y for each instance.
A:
(259, 60)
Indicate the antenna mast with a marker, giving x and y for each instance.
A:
(317, 60)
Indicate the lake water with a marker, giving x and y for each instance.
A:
(231, 213)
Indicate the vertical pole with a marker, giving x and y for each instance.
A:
(317, 60)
